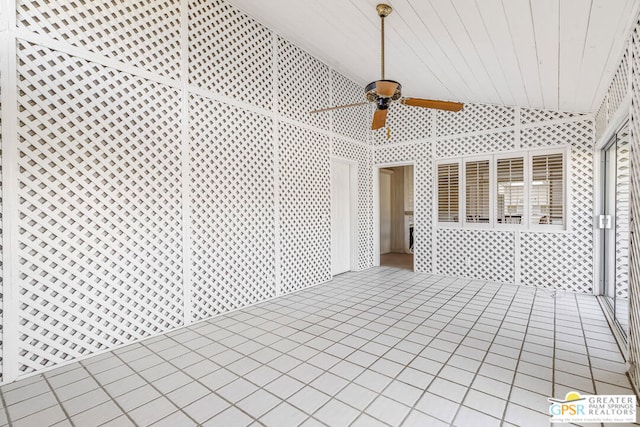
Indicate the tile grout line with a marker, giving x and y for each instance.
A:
(524, 338)
(64, 410)
(475, 375)
(460, 404)
(101, 386)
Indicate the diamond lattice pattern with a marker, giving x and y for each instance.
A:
(100, 250)
(232, 192)
(138, 32)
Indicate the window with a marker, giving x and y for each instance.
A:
(520, 190)
(477, 199)
(510, 190)
(547, 189)
(448, 192)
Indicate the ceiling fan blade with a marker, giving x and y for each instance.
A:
(338, 107)
(379, 119)
(386, 88)
(430, 103)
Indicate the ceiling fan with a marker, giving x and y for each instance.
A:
(384, 92)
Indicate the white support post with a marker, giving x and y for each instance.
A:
(10, 198)
(186, 203)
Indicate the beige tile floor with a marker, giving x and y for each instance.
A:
(375, 348)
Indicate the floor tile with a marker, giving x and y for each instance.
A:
(336, 413)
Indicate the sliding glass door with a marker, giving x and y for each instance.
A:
(615, 227)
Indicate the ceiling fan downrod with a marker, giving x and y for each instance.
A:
(383, 11)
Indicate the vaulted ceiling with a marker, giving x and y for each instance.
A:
(552, 54)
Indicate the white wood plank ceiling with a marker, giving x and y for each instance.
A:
(552, 54)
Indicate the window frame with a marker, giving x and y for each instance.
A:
(448, 224)
(525, 224)
(463, 190)
(525, 210)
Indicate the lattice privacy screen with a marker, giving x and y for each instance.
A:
(564, 260)
(487, 255)
(302, 83)
(351, 122)
(634, 243)
(230, 53)
(232, 191)
(303, 192)
(100, 246)
(138, 32)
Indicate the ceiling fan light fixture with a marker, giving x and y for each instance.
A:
(372, 95)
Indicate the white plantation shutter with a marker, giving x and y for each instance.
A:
(477, 191)
(546, 192)
(510, 190)
(448, 192)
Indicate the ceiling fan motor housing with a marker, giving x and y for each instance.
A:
(372, 95)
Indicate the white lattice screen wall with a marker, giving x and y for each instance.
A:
(559, 260)
(634, 243)
(625, 86)
(167, 171)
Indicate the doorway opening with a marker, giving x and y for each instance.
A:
(395, 216)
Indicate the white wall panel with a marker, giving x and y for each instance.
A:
(474, 118)
(304, 198)
(230, 53)
(232, 204)
(139, 32)
(100, 261)
(303, 86)
(634, 244)
(352, 122)
(480, 254)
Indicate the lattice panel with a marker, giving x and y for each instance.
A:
(529, 115)
(230, 53)
(305, 228)
(480, 254)
(474, 118)
(601, 119)
(364, 156)
(634, 243)
(420, 153)
(352, 122)
(232, 191)
(578, 134)
(138, 32)
(406, 124)
(556, 260)
(100, 248)
(302, 86)
(477, 144)
(619, 86)
(622, 214)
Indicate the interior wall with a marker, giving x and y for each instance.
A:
(160, 166)
(559, 260)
